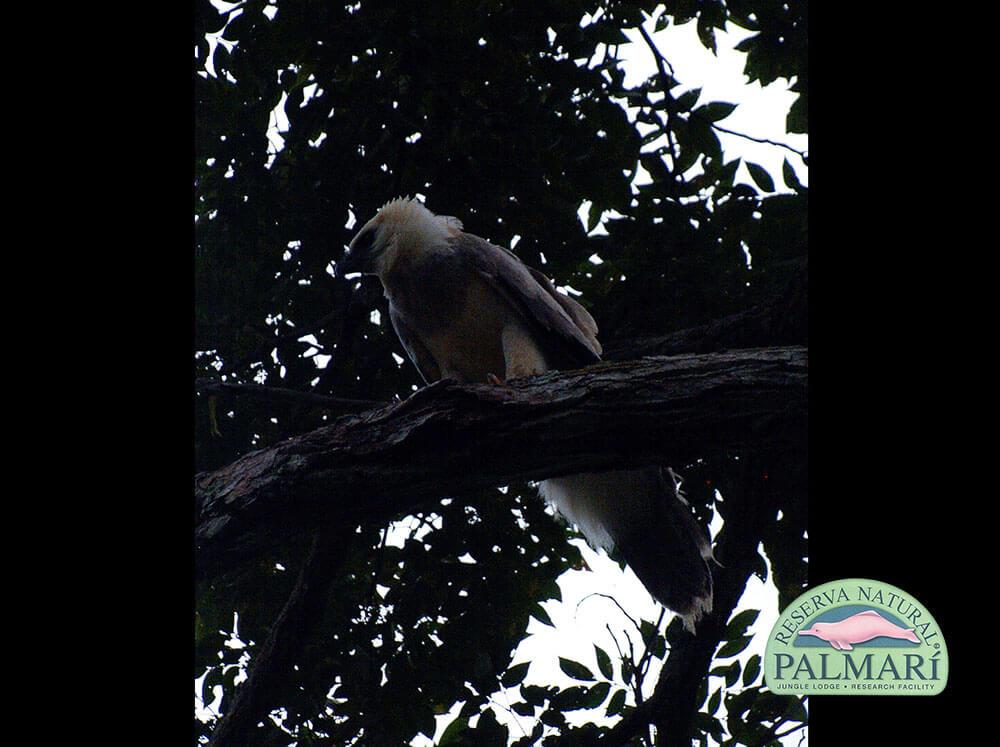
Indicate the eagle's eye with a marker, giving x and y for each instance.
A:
(362, 245)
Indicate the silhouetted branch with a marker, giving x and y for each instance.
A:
(272, 662)
(800, 153)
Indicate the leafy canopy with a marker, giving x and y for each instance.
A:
(511, 116)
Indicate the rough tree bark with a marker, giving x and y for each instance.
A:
(449, 438)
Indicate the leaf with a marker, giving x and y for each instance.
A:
(597, 694)
(715, 111)
(796, 711)
(683, 11)
(687, 99)
(427, 722)
(655, 166)
(686, 159)
(702, 135)
(607, 33)
(653, 135)
(213, 678)
(734, 647)
(790, 177)
(534, 694)
(760, 567)
(469, 709)
(648, 631)
(706, 34)
(732, 674)
(616, 703)
(523, 709)
(530, 740)
(489, 731)
(594, 216)
(709, 725)
(658, 647)
(769, 706)
(751, 670)
(739, 624)
(714, 701)
(635, 96)
(570, 699)
(702, 692)
(760, 176)
(550, 590)
(552, 717)
(575, 669)
(515, 675)
(604, 663)
(747, 44)
(797, 119)
(452, 734)
(727, 172)
(541, 615)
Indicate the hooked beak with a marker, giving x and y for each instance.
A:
(359, 255)
(348, 264)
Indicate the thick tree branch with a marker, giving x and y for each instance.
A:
(450, 438)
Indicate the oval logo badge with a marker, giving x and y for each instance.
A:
(856, 637)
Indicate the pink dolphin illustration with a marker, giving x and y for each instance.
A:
(857, 629)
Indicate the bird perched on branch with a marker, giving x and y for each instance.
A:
(469, 310)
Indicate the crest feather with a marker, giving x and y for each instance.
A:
(412, 212)
(394, 201)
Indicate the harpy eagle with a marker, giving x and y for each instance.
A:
(469, 310)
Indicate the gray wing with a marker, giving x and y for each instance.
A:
(580, 316)
(414, 347)
(566, 330)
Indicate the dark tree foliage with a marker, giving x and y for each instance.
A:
(509, 115)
